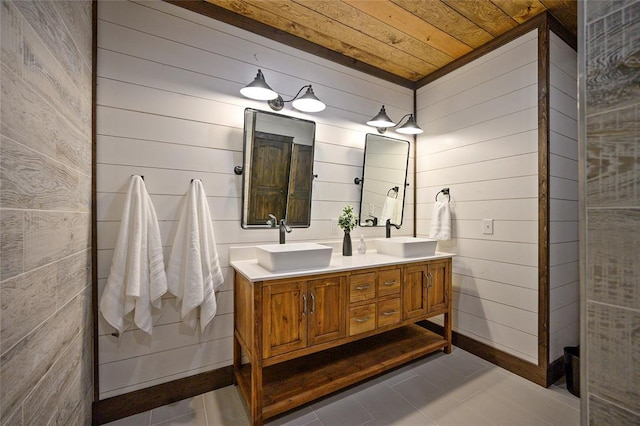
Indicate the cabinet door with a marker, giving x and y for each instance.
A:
(414, 294)
(327, 309)
(284, 318)
(438, 286)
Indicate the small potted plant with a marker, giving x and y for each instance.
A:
(347, 221)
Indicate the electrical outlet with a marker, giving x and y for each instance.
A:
(334, 226)
(487, 226)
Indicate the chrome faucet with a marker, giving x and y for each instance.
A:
(388, 226)
(273, 221)
(283, 228)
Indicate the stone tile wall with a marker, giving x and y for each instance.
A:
(46, 359)
(612, 212)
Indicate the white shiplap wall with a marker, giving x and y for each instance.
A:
(481, 141)
(564, 299)
(169, 108)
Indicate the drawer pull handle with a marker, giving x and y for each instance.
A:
(313, 303)
(390, 283)
(362, 319)
(388, 313)
(363, 287)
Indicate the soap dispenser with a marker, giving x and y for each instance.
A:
(362, 247)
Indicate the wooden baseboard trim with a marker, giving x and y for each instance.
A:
(502, 359)
(118, 407)
(555, 371)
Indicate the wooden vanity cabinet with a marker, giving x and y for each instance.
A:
(306, 337)
(298, 314)
(426, 288)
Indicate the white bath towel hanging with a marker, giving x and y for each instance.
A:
(441, 221)
(137, 277)
(194, 270)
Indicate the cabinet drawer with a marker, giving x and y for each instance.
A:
(388, 282)
(362, 318)
(389, 312)
(362, 287)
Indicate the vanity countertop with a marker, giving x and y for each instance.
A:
(252, 271)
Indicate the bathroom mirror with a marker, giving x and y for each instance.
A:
(384, 180)
(277, 169)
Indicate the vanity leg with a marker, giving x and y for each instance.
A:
(237, 358)
(256, 394)
(256, 360)
(447, 331)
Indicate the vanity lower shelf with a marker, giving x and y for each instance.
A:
(289, 384)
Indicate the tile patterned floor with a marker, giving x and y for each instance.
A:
(456, 389)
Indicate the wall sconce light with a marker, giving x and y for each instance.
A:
(382, 121)
(259, 89)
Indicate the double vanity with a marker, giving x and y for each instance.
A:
(308, 323)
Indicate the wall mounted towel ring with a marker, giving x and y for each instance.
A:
(444, 191)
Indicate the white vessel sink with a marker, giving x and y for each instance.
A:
(406, 246)
(291, 256)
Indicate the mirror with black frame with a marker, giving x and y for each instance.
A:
(384, 180)
(277, 169)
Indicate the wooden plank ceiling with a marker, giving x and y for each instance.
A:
(409, 39)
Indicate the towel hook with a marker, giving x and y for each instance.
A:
(395, 190)
(196, 179)
(141, 177)
(444, 191)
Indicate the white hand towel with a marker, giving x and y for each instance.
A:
(137, 279)
(389, 210)
(194, 269)
(441, 221)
